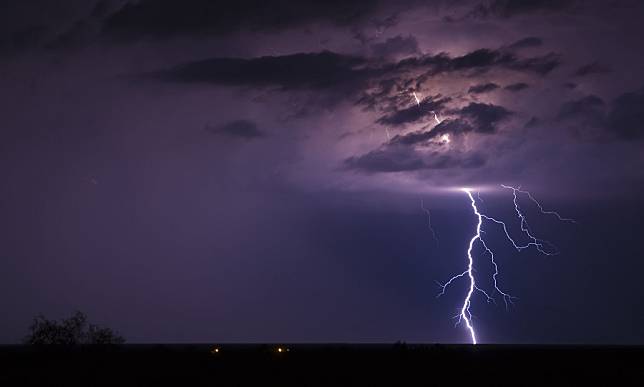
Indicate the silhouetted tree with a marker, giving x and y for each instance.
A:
(71, 331)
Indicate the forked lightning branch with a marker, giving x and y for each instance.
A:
(478, 239)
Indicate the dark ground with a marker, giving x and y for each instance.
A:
(322, 365)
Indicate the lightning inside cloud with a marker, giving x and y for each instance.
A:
(413, 93)
(436, 117)
(416, 98)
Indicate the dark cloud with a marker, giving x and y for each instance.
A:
(394, 81)
(41, 23)
(483, 59)
(589, 110)
(541, 65)
(375, 85)
(171, 18)
(415, 112)
(398, 45)
(483, 88)
(385, 92)
(315, 71)
(476, 117)
(401, 154)
(621, 120)
(422, 137)
(327, 69)
(626, 117)
(517, 86)
(399, 158)
(509, 8)
(386, 159)
(237, 129)
(531, 41)
(485, 117)
(475, 59)
(591, 68)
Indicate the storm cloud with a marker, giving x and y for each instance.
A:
(621, 119)
(517, 86)
(591, 68)
(313, 71)
(398, 45)
(226, 159)
(425, 108)
(485, 117)
(168, 18)
(484, 59)
(483, 88)
(399, 158)
(531, 41)
(328, 69)
(510, 8)
(401, 153)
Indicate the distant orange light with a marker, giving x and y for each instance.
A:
(215, 350)
(279, 349)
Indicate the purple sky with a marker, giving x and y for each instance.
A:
(194, 171)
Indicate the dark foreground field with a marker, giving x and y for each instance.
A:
(322, 365)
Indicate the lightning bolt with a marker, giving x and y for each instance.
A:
(478, 238)
(436, 117)
(429, 220)
(413, 93)
(465, 309)
(416, 98)
(529, 195)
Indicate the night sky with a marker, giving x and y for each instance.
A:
(252, 170)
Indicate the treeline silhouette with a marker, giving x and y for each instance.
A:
(75, 330)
